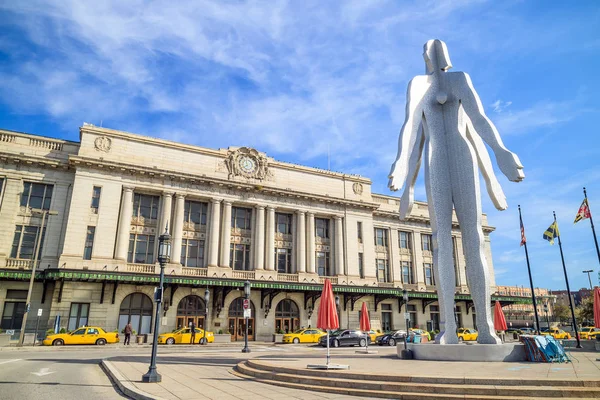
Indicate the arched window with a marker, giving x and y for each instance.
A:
(191, 309)
(137, 309)
(237, 322)
(287, 316)
(236, 308)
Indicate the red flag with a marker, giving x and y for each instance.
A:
(523, 239)
(584, 212)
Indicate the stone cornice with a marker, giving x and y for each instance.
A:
(94, 163)
(28, 159)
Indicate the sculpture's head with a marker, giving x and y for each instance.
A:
(436, 56)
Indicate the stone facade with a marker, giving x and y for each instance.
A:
(234, 215)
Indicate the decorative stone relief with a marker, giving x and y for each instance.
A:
(357, 188)
(103, 143)
(247, 163)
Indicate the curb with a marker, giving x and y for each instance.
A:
(121, 346)
(124, 385)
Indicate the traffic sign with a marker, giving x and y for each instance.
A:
(247, 313)
(246, 304)
(406, 315)
(39, 312)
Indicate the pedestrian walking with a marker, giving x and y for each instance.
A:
(128, 329)
(192, 332)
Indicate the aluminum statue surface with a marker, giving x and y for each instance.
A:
(445, 120)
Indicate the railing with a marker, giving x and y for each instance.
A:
(287, 277)
(45, 144)
(143, 268)
(194, 271)
(333, 279)
(243, 274)
(17, 263)
(5, 137)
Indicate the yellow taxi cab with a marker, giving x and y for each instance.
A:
(309, 335)
(421, 332)
(465, 334)
(83, 335)
(373, 335)
(589, 332)
(184, 336)
(558, 333)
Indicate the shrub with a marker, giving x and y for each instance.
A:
(280, 332)
(220, 332)
(62, 330)
(50, 332)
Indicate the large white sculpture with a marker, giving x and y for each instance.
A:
(444, 117)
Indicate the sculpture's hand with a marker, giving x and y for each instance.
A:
(510, 165)
(396, 178)
(406, 203)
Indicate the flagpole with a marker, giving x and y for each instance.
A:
(592, 222)
(562, 257)
(537, 319)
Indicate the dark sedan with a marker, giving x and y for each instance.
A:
(391, 338)
(347, 337)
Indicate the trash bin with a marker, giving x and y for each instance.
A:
(139, 339)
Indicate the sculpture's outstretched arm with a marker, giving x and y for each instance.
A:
(408, 196)
(408, 133)
(509, 163)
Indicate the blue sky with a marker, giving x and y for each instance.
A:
(293, 79)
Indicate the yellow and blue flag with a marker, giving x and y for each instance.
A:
(551, 232)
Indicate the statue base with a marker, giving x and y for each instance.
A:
(507, 352)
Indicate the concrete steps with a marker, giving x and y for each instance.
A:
(408, 387)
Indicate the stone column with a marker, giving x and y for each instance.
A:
(213, 240)
(259, 262)
(270, 254)
(165, 215)
(311, 268)
(339, 246)
(177, 228)
(301, 242)
(124, 224)
(225, 234)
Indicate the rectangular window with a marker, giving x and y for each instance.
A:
(36, 195)
(429, 278)
(240, 218)
(15, 294)
(195, 212)
(145, 205)
(141, 249)
(361, 270)
(412, 310)
(284, 223)
(239, 257)
(192, 253)
(323, 263)
(284, 260)
(359, 231)
(12, 315)
(89, 243)
(322, 228)
(404, 240)
(25, 241)
(381, 237)
(96, 199)
(426, 242)
(383, 273)
(78, 316)
(435, 317)
(407, 272)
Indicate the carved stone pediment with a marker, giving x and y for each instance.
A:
(247, 163)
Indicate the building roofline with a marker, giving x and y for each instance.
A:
(25, 134)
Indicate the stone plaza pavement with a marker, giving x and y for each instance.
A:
(207, 373)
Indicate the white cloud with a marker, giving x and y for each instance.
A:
(499, 105)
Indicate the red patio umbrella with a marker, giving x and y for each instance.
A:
(597, 307)
(327, 317)
(365, 322)
(499, 320)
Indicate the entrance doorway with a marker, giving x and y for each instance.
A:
(386, 317)
(191, 309)
(237, 322)
(287, 317)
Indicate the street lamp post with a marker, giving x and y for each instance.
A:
(546, 311)
(206, 299)
(247, 286)
(36, 253)
(164, 255)
(406, 353)
(337, 310)
(588, 272)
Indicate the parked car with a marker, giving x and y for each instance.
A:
(558, 333)
(466, 334)
(594, 335)
(345, 337)
(309, 335)
(184, 335)
(588, 331)
(527, 331)
(84, 335)
(391, 338)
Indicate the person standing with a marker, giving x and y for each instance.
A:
(128, 329)
(192, 332)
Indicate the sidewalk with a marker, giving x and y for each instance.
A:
(208, 376)
(174, 347)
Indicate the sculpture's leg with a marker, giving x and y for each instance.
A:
(439, 196)
(467, 202)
